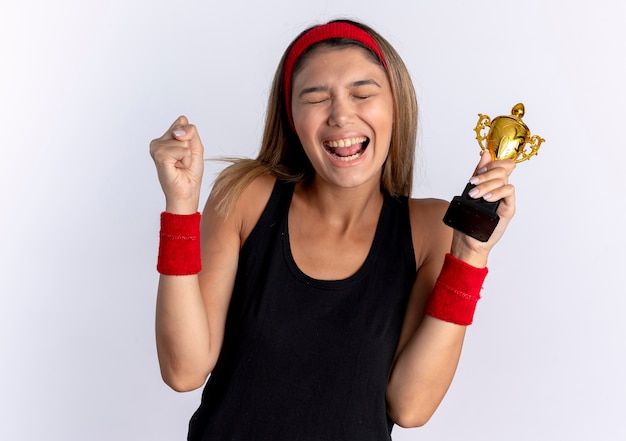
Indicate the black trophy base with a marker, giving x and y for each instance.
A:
(475, 217)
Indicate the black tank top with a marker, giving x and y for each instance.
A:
(306, 359)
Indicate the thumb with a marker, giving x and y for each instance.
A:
(180, 130)
(180, 121)
(485, 158)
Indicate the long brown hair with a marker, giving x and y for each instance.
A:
(281, 152)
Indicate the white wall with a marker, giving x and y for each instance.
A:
(84, 87)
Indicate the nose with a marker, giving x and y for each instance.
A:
(341, 112)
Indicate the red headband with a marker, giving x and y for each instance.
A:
(337, 29)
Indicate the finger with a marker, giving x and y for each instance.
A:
(185, 162)
(506, 208)
(486, 180)
(171, 154)
(184, 132)
(485, 158)
(176, 125)
(188, 134)
(486, 185)
(498, 193)
(179, 146)
(493, 170)
(487, 190)
(507, 165)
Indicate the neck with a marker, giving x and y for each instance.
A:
(341, 208)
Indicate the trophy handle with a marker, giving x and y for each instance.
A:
(482, 130)
(530, 149)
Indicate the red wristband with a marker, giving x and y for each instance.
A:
(456, 292)
(179, 245)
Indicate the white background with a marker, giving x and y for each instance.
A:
(84, 86)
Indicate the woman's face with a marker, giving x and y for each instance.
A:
(342, 109)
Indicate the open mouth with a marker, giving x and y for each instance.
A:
(347, 149)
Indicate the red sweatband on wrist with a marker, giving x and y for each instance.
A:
(179, 245)
(456, 292)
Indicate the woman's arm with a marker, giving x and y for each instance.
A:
(429, 348)
(191, 309)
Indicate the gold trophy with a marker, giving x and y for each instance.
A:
(507, 137)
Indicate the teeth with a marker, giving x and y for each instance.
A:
(345, 142)
(347, 158)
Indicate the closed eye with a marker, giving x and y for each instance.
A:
(315, 100)
(314, 95)
(363, 90)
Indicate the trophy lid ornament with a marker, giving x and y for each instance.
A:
(507, 136)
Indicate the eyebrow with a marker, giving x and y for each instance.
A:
(350, 86)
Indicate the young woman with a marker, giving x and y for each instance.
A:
(320, 300)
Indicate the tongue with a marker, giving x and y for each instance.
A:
(347, 151)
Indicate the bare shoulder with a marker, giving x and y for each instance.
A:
(223, 234)
(427, 213)
(252, 202)
(245, 211)
(430, 235)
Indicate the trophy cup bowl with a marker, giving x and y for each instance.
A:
(504, 137)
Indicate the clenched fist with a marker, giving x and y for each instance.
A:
(178, 156)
